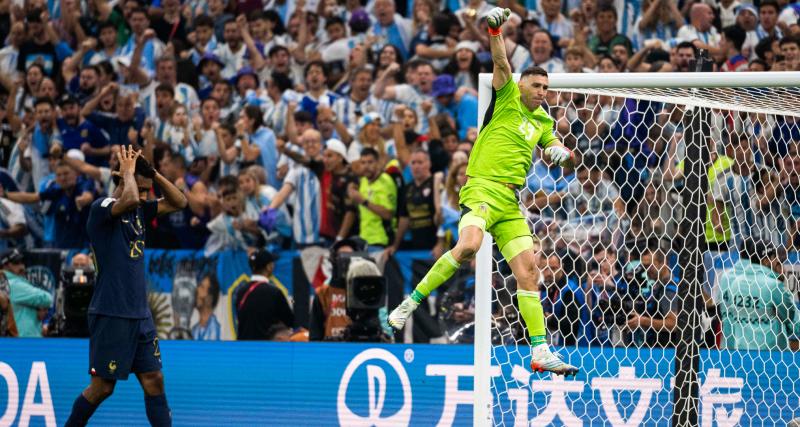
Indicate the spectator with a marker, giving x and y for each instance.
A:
(261, 140)
(13, 225)
(790, 49)
(10, 53)
(350, 108)
(376, 197)
(39, 47)
(303, 184)
(461, 104)
(661, 21)
(414, 94)
(542, 54)
(659, 320)
(465, 66)
(757, 311)
(392, 28)
(70, 196)
(81, 134)
(604, 291)
(556, 24)
(747, 19)
(447, 234)
(731, 43)
(261, 305)
(329, 319)
(8, 327)
(236, 227)
(418, 208)
(150, 48)
(768, 20)
(122, 123)
(318, 94)
(607, 36)
(699, 30)
(27, 300)
(592, 204)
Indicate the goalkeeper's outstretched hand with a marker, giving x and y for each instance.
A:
(559, 155)
(497, 17)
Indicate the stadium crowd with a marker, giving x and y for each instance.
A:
(297, 123)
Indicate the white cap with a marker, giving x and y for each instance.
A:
(337, 147)
(367, 119)
(76, 154)
(466, 44)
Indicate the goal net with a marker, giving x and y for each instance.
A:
(667, 261)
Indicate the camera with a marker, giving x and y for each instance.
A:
(74, 294)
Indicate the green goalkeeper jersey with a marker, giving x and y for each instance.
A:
(504, 149)
(757, 311)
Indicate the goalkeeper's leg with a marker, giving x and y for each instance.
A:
(523, 265)
(469, 241)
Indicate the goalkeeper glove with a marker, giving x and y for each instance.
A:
(497, 16)
(558, 154)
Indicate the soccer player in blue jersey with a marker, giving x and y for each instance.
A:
(122, 334)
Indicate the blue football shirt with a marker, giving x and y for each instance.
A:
(118, 248)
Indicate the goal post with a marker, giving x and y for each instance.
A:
(690, 119)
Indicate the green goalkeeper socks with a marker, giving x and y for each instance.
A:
(533, 314)
(443, 269)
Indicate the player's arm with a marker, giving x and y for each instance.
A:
(502, 68)
(173, 199)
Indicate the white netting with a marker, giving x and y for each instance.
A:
(610, 238)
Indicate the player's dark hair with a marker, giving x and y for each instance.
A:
(369, 151)
(736, 35)
(204, 21)
(533, 71)
(143, 169)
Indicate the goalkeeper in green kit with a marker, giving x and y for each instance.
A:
(498, 164)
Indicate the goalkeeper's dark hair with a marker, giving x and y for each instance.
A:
(143, 169)
(533, 71)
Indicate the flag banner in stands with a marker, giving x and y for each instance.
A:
(326, 384)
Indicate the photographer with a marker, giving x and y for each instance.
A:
(332, 317)
(261, 305)
(329, 317)
(658, 318)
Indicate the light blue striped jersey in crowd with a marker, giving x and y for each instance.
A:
(306, 203)
(561, 28)
(665, 33)
(552, 65)
(689, 33)
(153, 49)
(210, 47)
(399, 34)
(628, 13)
(412, 98)
(264, 138)
(761, 32)
(348, 111)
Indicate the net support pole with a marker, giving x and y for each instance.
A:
(482, 413)
(687, 350)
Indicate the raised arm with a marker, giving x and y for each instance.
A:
(91, 105)
(381, 90)
(173, 199)
(502, 68)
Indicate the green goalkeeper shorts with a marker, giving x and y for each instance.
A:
(493, 207)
